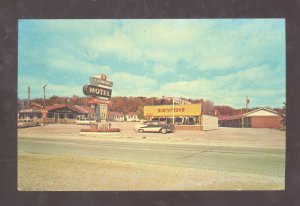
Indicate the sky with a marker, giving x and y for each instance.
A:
(223, 60)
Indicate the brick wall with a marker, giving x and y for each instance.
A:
(189, 127)
(267, 122)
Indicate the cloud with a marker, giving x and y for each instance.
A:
(222, 60)
(55, 61)
(138, 40)
(36, 88)
(127, 84)
(258, 83)
(159, 69)
(204, 44)
(117, 44)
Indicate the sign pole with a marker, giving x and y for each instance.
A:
(98, 115)
(100, 90)
(173, 113)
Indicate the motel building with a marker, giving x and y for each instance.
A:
(259, 118)
(57, 113)
(132, 117)
(186, 116)
(115, 116)
(120, 117)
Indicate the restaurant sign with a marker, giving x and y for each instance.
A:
(169, 110)
(96, 91)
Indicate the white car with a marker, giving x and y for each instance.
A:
(154, 127)
(85, 121)
(23, 123)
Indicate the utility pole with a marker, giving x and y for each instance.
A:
(173, 112)
(44, 88)
(28, 98)
(247, 103)
(242, 118)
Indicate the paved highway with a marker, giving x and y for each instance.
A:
(258, 161)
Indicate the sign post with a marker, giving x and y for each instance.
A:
(100, 91)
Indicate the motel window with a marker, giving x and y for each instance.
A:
(61, 116)
(50, 115)
(70, 116)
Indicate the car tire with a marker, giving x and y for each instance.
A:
(140, 130)
(164, 130)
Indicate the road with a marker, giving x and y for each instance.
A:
(235, 159)
(258, 164)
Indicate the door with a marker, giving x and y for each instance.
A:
(56, 117)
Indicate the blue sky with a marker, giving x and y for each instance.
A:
(217, 59)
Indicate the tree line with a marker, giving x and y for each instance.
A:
(135, 104)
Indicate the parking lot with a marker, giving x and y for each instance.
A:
(233, 136)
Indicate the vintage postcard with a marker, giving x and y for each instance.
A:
(151, 104)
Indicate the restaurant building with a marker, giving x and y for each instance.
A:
(186, 116)
(259, 118)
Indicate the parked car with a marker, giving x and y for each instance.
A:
(23, 123)
(85, 121)
(151, 126)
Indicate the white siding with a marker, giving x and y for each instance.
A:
(209, 122)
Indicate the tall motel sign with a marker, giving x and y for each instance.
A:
(100, 91)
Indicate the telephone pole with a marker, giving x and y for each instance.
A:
(247, 103)
(28, 100)
(44, 88)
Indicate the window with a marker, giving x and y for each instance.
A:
(70, 116)
(50, 115)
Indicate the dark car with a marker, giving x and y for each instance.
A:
(154, 127)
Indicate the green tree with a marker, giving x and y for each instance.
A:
(140, 112)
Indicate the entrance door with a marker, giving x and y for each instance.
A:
(56, 117)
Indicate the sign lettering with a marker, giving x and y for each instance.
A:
(171, 110)
(100, 81)
(96, 91)
(99, 101)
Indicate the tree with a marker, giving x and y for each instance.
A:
(208, 107)
(140, 112)
(226, 110)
